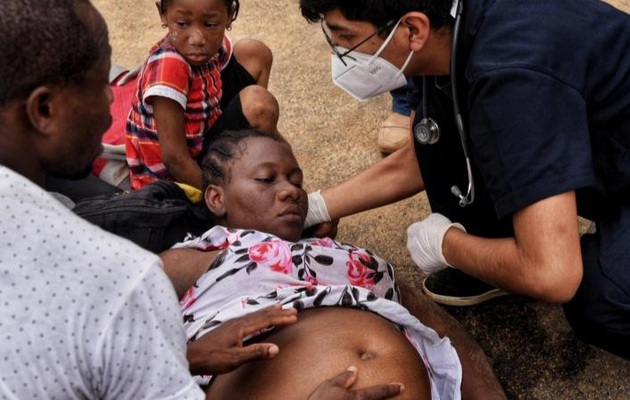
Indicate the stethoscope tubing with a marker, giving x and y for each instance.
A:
(469, 198)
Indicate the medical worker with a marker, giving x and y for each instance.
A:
(522, 125)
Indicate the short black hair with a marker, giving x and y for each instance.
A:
(43, 42)
(222, 151)
(231, 5)
(379, 12)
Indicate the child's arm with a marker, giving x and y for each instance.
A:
(171, 127)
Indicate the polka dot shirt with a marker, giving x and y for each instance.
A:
(83, 314)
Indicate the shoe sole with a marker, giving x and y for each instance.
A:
(463, 301)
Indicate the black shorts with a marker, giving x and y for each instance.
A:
(234, 79)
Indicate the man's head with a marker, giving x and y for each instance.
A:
(54, 88)
(414, 36)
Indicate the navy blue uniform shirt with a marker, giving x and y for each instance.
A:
(545, 92)
(544, 87)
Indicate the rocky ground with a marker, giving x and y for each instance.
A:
(532, 348)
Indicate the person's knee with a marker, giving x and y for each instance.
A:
(599, 312)
(260, 107)
(254, 49)
(601, 325)
(256, 57)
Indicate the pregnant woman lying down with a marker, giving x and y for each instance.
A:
(348, 300)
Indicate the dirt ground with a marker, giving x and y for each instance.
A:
(532, 348)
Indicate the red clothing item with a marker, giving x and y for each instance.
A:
(197, 89)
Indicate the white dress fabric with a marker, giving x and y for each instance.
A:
(256, 270)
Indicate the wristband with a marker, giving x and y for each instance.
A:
(317, 210)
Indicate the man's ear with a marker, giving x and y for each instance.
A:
(214, 200)
(419, 26)
(41, 110)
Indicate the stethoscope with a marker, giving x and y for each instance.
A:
(427, 130)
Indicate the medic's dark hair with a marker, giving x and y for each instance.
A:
(379, 12)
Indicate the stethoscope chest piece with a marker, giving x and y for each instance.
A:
(427, 131)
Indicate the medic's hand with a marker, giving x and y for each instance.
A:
(338, 388)
(424, 242)
(317, 210)
(221, 350)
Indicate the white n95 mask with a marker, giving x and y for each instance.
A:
(364, 76)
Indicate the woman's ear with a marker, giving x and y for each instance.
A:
(214, 200)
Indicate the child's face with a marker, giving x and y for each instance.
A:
(196, 27)
(265, 190)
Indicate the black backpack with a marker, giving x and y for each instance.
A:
(154, 217)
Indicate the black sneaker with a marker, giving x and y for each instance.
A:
(452, 287)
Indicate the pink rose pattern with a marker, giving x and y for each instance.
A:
(249, 250)
(188, 299)
(324, 242)
(266, 269)
(274, 254)
(362, 270)
(257, 270)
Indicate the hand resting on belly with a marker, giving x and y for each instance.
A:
(324, 342)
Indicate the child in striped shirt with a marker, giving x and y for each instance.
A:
(192, 87)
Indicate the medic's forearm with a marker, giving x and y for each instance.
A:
(392, 179)
(543, 260)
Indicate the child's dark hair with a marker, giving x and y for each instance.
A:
(223, 149)
(231, 5)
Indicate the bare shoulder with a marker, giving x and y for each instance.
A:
(185, 266)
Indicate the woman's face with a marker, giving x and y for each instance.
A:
(264, 190)
(196, 28)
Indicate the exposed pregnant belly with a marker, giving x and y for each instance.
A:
(323, 343)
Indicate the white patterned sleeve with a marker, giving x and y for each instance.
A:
(144, 352)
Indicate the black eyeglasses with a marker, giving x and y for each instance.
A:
(334, 48)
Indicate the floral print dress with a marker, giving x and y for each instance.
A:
(256, 270)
